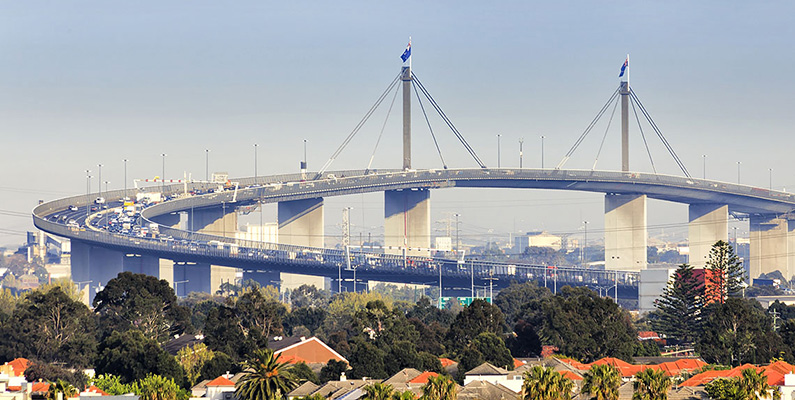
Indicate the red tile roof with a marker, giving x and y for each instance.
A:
(774, 372)
(446, 362)
(571, 375)
(94, 389)
(423, 377)
(220, 381)
(517, 363)
(672, 368)
(40, 387)
(19, 365)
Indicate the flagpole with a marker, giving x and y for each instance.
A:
(627, 69)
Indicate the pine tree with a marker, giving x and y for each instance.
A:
(679, 309)
(725, 274)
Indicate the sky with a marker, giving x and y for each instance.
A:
(84, 83)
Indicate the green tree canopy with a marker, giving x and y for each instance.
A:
(511, 299)
(737, 332)
(678, 313)
(142, 302)
(478, 317)
(724, 273)
(156, 387)
(493, 349)
(132, 356)
(583, 325)
(52, 327)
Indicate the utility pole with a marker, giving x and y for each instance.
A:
(346, 226)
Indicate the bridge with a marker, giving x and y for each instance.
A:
(196, 230)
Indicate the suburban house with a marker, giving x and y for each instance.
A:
(297, 349)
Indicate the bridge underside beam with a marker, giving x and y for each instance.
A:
(772, 245)
(301, 222)
(626, 237)
(407, 221)
(708, 223)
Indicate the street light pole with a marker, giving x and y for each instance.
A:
(542, 151)
(738, 172)
(585, 244)
(207, 165)
(163, 175)
(99, 186)
(88, 194)
(770, 177)
(498, 150)
(125, 179)
(457, 236)
(704, 166)
(521, 152)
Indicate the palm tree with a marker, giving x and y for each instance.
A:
(265, 378)
(405, 395)
(651, 384)
(546, 384)
(601, 382)
(439, 388)
(378, 391)
(63, 387)
(754, 385)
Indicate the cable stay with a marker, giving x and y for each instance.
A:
(380, 134)
(447, 120)
(659, 133)
(643, 135)
(587, 130)
(358, 127)
(427, 121)
(610, 122)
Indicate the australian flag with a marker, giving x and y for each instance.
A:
(623, 67)
(406, 53)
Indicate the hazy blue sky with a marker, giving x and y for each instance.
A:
(90, 82)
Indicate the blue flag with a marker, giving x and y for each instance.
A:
(406, 53)
(624, 67)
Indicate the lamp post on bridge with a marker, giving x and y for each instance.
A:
(163, 176)
(498, 150)
(125, 179)
(770, 178)
(542, 151)
(99, 185)
(521, 152)
(738, 172)
(207, 165)
(704, 166)
(88, 194)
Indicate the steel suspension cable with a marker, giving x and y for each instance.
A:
(609, 122)
(449, 123)
(640, 128)
(587, 130)
(380, 134)
(659, 133)
(358, 127)
(427, 121)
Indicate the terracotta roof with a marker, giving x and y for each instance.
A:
(94, 389)
(19, 365)
(446, 362)
(220, 381)
(517, 363)
(774, 372)
(40, 387)
(423, 377)
(571, 375)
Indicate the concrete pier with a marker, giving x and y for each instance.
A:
(708, 223)
(626, 237)
(407, 221)
(301, 222)
(772, 245)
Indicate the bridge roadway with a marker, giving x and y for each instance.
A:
(193, 247)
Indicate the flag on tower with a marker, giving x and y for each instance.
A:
(406, 53)
(624, 67)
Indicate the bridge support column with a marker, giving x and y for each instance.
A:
(772, 245)
(139, 264)
(407, 223)
(625, 232)
(95, 264)
(201, 277)
(301, 222)
(708, 223)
